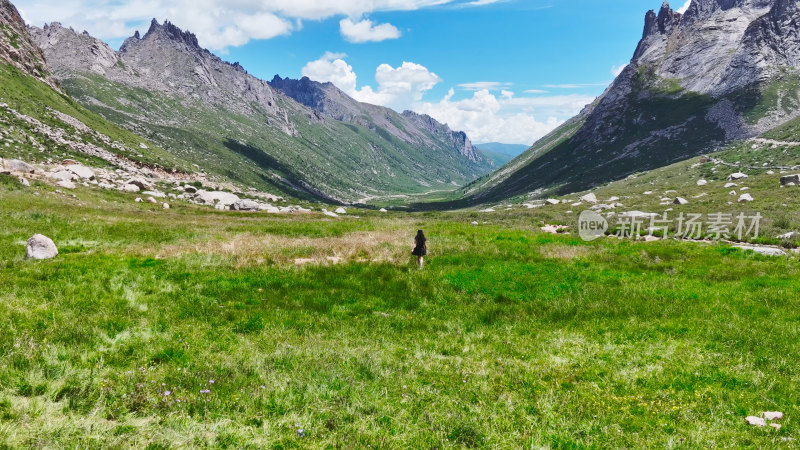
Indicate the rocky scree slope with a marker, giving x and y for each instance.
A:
(725, 70)
(164, 86)
(17, 47)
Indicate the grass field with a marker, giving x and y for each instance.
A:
(508, 338)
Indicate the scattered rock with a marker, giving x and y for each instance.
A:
(245, 205)
(189, 189)
(66, 184)
(340, 210)
(165, 205)
(130, 188)
(475, 223)
(702, 182)
(383, 210)
(745, 198)
(680, 201)
(730, 185)
(761, 250)
(756, 421)
(650, 238)
(770, 172)
(589, 198)
(554, 229)
(156, 194)
(789, 236)
(23, 181)
(152, 200)
(41, 247)
(777, 426)
(63, 175)
(138, 200)
(732, 193)
(647, 193)
(81, 171)
(487, 210)
(329, 213)
(140, 182)
(737, 176)
(552, 201)
(637, 214)
(772, 415)
(790, 180)
(16, 165)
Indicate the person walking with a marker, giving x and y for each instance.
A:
(420, 248)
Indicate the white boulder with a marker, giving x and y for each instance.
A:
(340, 210)
(680, 201)
(737, 176)
(81, 171)
(589, 198)
(41, 247)
(745, 198)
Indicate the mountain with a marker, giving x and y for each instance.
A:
(500, 154)
(17, 47)
(40, 123)
(164, 86)
(724, 70)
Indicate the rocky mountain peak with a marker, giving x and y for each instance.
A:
(17, 46)
(170, 31)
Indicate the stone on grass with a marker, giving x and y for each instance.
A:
(63, 175)
(680, 201)
(41, 247)
(756, 421)
(761, 250)
(340, 210)
(81, 171)
(790, 180)
(772, 415)
(130, 188)
(66, 184)
(589, 198)
(702, 182)
(16, 165)
(789, 236)
(138, 200)
(552, 201)
(329, 213)
(165, 205)
(730, 185)
(245, 205)
(383, 210)
(745, 198)
(24, 182)
(737, 176)
(152, 200)
(777, 426)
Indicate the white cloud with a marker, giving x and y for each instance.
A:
(616, 70)
(485, 85)
(366, 31)
(398, 88)
(218, 24)
(685, 7)
(485, 117)
(575, 86)
(536, 91)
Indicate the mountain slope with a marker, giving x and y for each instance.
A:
(727, 69)
(200, 108)
(39, 123)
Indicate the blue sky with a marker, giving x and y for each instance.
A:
(501, 70)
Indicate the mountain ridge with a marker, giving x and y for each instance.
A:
(165, 86)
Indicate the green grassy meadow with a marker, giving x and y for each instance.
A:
(509, 338)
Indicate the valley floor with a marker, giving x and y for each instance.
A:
(192, 327)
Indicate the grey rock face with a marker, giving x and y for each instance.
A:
(41, 247)
(16, 165)
(18, 48)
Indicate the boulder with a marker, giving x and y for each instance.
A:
(130, 188)
(218, 199)
(761, 250)
(151, 200)
(189, 189)
(138, 200)
(66, 184)
(552, 201)
(730, 185)
(745, 198)
(792, 180)
(156, 194)
(680, 201)
(24, 182)
(81, 171)
(789, 236)
(165, 206)
(63, 175)
(340, 210)
(16, 165)
(737, 176)
(702, 182)
(41, 247)
(268, 208)
(140, 182)
(773, 415)
(638, 214)
(245, 205)
(329, 213)
(589, 198)
(383, 210)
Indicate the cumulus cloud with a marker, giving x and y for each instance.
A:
(218, 24)
(366, 31)
(492, 114)
(397, 88)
